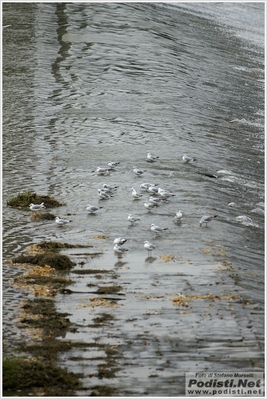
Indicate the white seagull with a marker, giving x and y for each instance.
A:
(165, 193)
(92, 208)
(178, 216)
(232, 204)
(187, 159)
(62, 221)
(132, 219)
(156, 229)
(102, 171)
(135, 194)
(137, 171)
(113, 165)
(108, 188)
(103, 195)
(119, 250)
(120, 240)
(206, 219)
(150, 157)
(37, 207)
(153, 190)
(154, 200)
(149, 247)
(145, 186)
(149, 205)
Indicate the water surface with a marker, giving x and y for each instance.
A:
(85, 84)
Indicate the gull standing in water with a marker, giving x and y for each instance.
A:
(206, 219)
(156, 229)
(153, 190)
(103, 195)
(119, 251)
(165, 193)
(154, 200)
(187, 159)
(178, 216)
(113, 165)
(92, 208)
(109, 189)
(36, 207)
(62, 221)
(102, 171)
(150, 157)
(149, 205)
(145, 186)
(132, 219)
(120, 240)
(149, 247)
(135, 194)
(137, 171)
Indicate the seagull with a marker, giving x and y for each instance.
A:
(132, 219)
(153, 190)
(149, 205)
(120, 240)
(137, 171)
(92, 208)
(178, 216)
(62, 221)
(206, 219)
(113, 165)
(165, 193)
(154, 200)
(187, 159)
(109, 188)
(150, 157)
(232, 204)
(149, 247)
(135, 194)
(37, 207)
(144, 186)
(103, 195)
(102, 171)
(6, 26)
(119, 250)
(156, 229)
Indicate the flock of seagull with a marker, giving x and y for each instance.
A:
(156, 196)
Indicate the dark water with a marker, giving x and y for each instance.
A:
(85, 84)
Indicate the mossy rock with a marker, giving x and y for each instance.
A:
(55, 260)
(23, 200)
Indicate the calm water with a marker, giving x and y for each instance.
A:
(85, 84)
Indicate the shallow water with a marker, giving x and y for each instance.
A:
(85, 84)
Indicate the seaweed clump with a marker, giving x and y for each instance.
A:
(32, 376)
(39, 215)
(55, 260)
(40, 375)
(56, 246)
(23, 200)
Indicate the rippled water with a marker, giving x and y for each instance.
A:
(84, 84)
